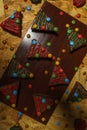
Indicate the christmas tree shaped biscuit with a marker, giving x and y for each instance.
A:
(43, 103)
(37, 51)
(78, 93)
(76, 39)
(17, 70)
(13, 24)
(43, 23)
(10, 92)
(58, 76)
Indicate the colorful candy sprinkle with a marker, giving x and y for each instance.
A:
(66, 80)
(29, 8)
(34, 41)
(48, 44)
(13, 105)
(43, 100)
(48, 19)
(67, 25)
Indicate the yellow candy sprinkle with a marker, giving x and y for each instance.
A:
(35, 13)
(31, 75)
(57, 62)
(43, 119)
(50, 55)
(76, 29)
(63, 50)
(67, 25)
(35, 26)
(58, 58)
(45, 72)
(25, 108)
(13, 105)
(18, 9)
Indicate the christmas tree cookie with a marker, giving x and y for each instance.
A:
(17, 70)
(37, 51)
(43, 103)
(13, 24)
(58, 76)
(10, 93)
(43, 23)
(76, 39)
(79, 3)
(78, 93)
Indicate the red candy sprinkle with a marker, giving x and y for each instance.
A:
(19, 66)
(61, 70)
(61, 13)
(6, 6)
(78, 15)
(38, 113)
(53, 58)
(80, 36)
(43, 49)
(43, 27)
(30, 86)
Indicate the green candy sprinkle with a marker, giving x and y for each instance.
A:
(37, 55)
(55, 29)
(23, 75)
(18, 21)
(53, 76)
(76, 68)
(8, 97)
(27, 64)
(79, 99)
(14, 56)
(48, 107)
(73, 21)
(69, 31)
(49, 44)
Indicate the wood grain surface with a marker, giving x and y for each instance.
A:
(64, 113)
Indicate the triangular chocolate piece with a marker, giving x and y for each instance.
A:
(43, 103)
(78, 93)
(17, 70)
(58, 76)
(37, 51)
(10, 92)
(13, 24)
(15, 127)
(43, 23)
(79, 3)
(76, 39)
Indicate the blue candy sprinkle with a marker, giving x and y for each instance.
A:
(34, 41)
(78, 107)
(58, 123)
(20, 113)
(12, 16)
(15, 75)
(67, 91)
(28, 8)
(66, 80)
(15, 92)
(48, 19)
(43, 100)
(76, 94)
(71, 43)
